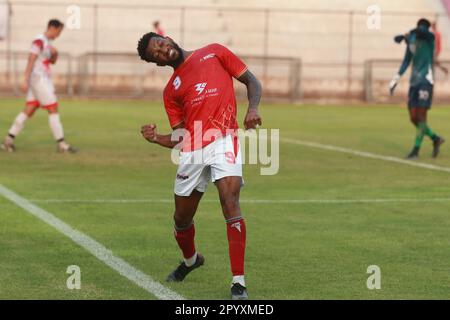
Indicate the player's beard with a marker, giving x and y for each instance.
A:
(179, 60)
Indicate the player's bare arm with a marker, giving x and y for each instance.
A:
(149, 133)
(254, 91)
(30, 64)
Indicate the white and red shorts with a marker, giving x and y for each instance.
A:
(41, 92)
(219, 159)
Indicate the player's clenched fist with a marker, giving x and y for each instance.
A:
(252, 119)
(149, 132)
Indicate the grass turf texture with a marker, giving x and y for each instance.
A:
(294, 251)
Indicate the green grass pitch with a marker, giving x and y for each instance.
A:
(305, 250)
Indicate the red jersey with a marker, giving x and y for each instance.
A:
(42, 48)
(160, 31)
(201, 91)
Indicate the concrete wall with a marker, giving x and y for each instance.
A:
(327, 42)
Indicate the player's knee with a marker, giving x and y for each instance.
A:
(230, 203)
(181, 220)
(414, 120)
(421, 118)
(30, 112)
(52, 109)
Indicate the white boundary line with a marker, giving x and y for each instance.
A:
(250, 201)
(365, 154)
(95, 248)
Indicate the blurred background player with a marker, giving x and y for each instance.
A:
(420, 44)
(438, 47)
(157, 28)
(39, 88)
(201, 93)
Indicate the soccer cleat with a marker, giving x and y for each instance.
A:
(437, 146)
(413, 155)
(69, 149)
(8, 146)
(183, 270)
(238, 292)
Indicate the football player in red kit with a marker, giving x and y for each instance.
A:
(200, 100)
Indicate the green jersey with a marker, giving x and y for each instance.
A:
(419, 50)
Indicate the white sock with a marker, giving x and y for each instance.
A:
(56, 126)
(190, 262)
(238, 279)
(18, 124)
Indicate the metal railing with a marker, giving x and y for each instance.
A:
(124, 75)
(379, 72)
(290, 33)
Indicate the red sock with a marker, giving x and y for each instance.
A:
(236, 242)
(185, 239)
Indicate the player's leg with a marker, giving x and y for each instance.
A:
(413, 116)
(19, 122)
(423, 101)
(229, 191)
(44, 90)
(56, 127)
(184, 232)
(423, 123)
(412, 107)
(420, 131)
(190, 184)
(227, 176)
(420, 98)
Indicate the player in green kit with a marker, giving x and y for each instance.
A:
(420, 44)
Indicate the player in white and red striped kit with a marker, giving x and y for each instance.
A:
(39, 87)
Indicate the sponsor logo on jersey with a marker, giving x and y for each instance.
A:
(199, 87)
(177, 83)
(208, 56)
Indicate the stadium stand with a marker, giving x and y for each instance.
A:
(333, 54)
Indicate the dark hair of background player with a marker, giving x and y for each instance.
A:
(424, 23)
(55, 23)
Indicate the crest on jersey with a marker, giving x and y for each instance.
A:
(176, 83)
(199, 87)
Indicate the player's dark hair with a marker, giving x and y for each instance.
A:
(143, 44)
(55, 23)
(424, 23)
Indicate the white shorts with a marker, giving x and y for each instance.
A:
(219, 159)
(41, 91)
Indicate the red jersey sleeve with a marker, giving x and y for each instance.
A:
(37, 46)
(230, 61)
(173, 109)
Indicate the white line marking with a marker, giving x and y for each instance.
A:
(94, 247)
(251, 201)
(366, 154)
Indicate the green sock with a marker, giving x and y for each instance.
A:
(430, 133)
(421, 130)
